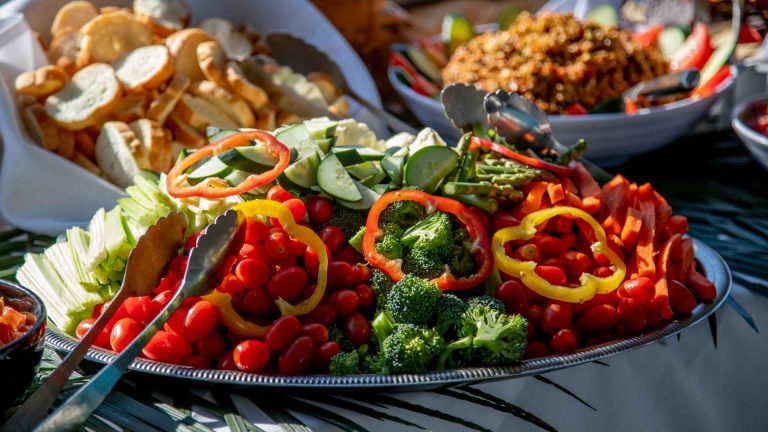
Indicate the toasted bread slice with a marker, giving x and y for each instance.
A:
(200, 113)
(183, 133)
(26, 100)
(163, 17)
(87, 163)
(213, 62)
(233, 105)
(42, 129)
(183, 47)
(327, 87)
(85, 144)
(144, 68)
(287, 118)
(130, 108)
(240, 85)
(235, 44)
(163, 106)
(110, 36)
(117, 150)
(66, 143)
(41, 82)
(65, 49)
(157, 145)
(91, 94)
(266, 119)
(73, 14)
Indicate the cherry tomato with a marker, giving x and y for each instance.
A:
(178, 266)
(534, 313)
(251, 355)
(640, 288)
(227, 266)
(168, 348)
(512, 294)
(257, 252)
(324, 353)
(340, 275)
(576, 263)
(631, 314)
(531, 331)
(227, 362)
(288, 283)
(277, 193)
(333, 237)
(503, 219)
(344, 301)
(549, 246)
(323, 314)
(297, 208)
(553, 275)
(283, 331)
(211, 346)
(317, 332)
(602, 271)
(102, 340)
(277, 246)
(175, 323)
(349, 255)
(162, 299)
(141, 309)
(201, 319)
(527, 252)
(361, 273)
(255, 231)
(601, 259)
(297, 358)
(233, 286)
(258, 303)
(191, 242)
(681, 298)
(556, 316)
(319, 209)
(297, 247)
(553, 262)
(598, 319)
(307, 292)
(312, 262)
(564, 341)
(252, 273)
(356, 328)
(536, 349)
(365, 295)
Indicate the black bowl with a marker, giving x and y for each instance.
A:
(20, 359)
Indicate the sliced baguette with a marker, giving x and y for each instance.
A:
(91, 94)
(42, 129)
(85, 144)
(41, 82)
(74, 15)
(66, 143)
(233, 105)
(163, 106)
(213, 62)
(65, 49)
(184, 133)
(110, 36)
(200, 113)
(163, 17)
(240, 85)
(144, 68)
(266, 119)
(235, 44)
(129, 108)
(117, 151)
(327, 87)
(157, 145)
(183, 48)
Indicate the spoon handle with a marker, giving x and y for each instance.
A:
(393, 122)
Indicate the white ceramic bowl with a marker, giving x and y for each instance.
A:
(42, 192)
(756, 143)
(610, 137)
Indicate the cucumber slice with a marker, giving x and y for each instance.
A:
(321, 128)
(374, 180)
(254, 159)
(381, 188)
(508, 15)
(215, 134)
(363, 170)
(670, 41)
(368, 198)
(236, 177)
(718, 59)
(297, 137)
(348, 156)
(393, 166)
(212, 168)
(456, 30)
(366, 153)
(211, 130)
(304, 171)
(423, 64)
(427, 168)
(334, 180)
(605, 15)
(325, 144)
(149, 175)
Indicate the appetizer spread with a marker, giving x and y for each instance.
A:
(128, 89)
(14, 320)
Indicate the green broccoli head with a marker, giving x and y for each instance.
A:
(422, 263)
(462, 262)
(382, 327)
(481, 304)
(403, 213)
(411, 348)
(433, 232)
(450, 312)
(500, 338)
(344, 363)
(412, 300)
(381, 285)
(350, 221)
(336, 335)
(376, 364)
(390, 244)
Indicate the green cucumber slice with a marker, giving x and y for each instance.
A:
(215, 134)
(297, 137)
(325, 144)
(348, 156)
(393, 166)
(427, 168)
(456, 30)
(670, 41)
(363, 170)
(149, 175)
(605, 15)
(368, 197)
(321, 128)
(381, 188)
(236, 177)
(254, 159)
(718, 59)
(212, 168)
(304, 171)
(366, 153)
(374, 180)
(334, 180)
(423, 64)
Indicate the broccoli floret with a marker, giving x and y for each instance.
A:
(462, 262)
(412, 300)
(433, 232)
(411, 348)
(403, 213)
(463, 345)
(376, 364)
(497, 338)
(423, 264)
(336, 335)
(381, 285)
(344, 363)
(350, 221)
(390, 244)
(382, 327)
(484, 303)
(450, 310)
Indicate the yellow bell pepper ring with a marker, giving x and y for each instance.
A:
(524, 270)
(231, 319)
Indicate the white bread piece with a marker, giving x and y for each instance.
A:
(41, 128)
(200, 113)
(163, 17)
(184, 134)
(233, 105)
(129, 108)
(117, 151)
(110, 36)
(163, 106)
(240, 85)
(65, 49)
(183, 48)
(73, 14)
(91, 94)
(213, 62)
(41, 82)
(235, 44)
(327, 87)
(157, 145)
(144, 68)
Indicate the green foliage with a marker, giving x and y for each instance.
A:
(450, 312)
(350, 221)
(344, 363)
(412, 300)
(411, 348)
(381, 285)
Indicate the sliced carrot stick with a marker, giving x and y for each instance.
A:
(665, 274)
(631, 229)
(676, 224)
(701, 286)
(555, 192)
(615, 202)
(660, 302)
(645, 192)
(590, 191)
(680, 297)
(533, 200)
(685, 254)
(646, 242)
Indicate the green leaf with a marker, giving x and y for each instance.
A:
(546, 380)
(479, 397)
(360, 409)
(422, 410)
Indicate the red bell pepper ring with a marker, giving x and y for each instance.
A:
(523, 159)
(218, 188)
(481, 249)
(695, 50)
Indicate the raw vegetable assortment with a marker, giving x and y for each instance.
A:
(357, 255)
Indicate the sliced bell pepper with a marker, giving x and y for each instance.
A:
(447, 281)
(649, 36)
(708, 88)
(231, 319)
(176, 182)
(695, 50)
(523, 159)
(590, 284)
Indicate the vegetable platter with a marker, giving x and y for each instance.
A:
(38, 142)
(399, 263)
(584, 91)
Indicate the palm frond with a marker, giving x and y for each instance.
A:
(487, 399)
(316, 411)
(389, 400)
(712, 320)
(546, 380)
(360, 409)
(743, 313)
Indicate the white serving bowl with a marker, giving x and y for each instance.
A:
(611, 138)
(756, 143)
(42, 192)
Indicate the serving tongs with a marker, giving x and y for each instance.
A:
(203, 261)
(305, 58)
(665, 85)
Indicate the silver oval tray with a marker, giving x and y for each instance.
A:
(712, 264)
